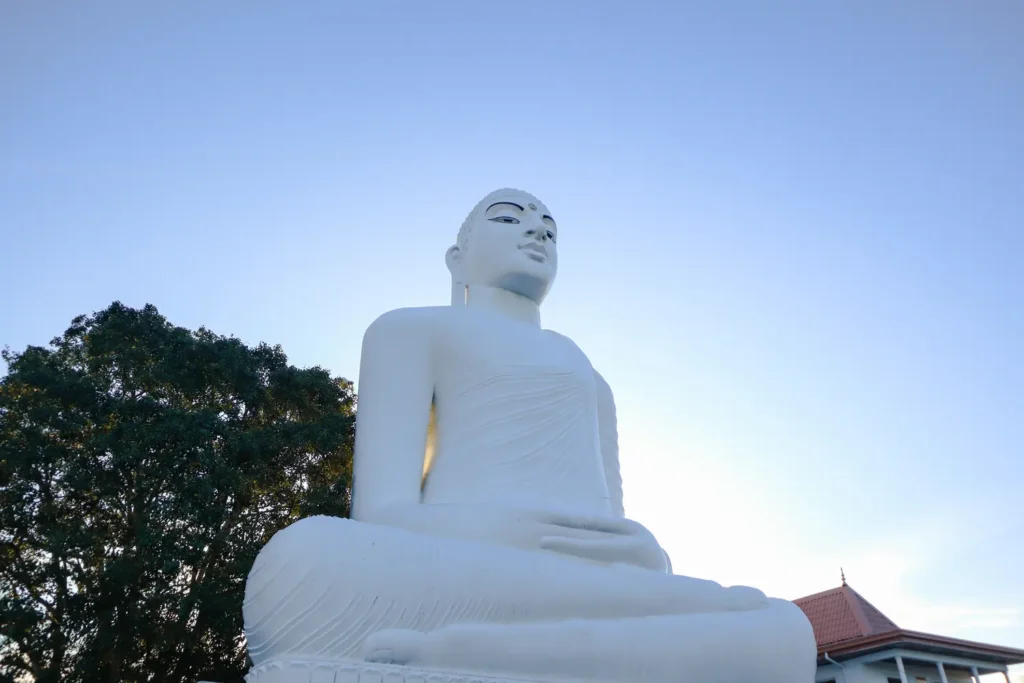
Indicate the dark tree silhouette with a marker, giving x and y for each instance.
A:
(142, 467)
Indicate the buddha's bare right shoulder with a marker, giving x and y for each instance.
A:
(402, 322)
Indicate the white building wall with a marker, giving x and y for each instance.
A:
(858, 673)
(881, 672)
(829, 672)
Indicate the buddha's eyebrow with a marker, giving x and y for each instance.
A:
(504, 204)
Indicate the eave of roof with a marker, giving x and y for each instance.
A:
(922, 642)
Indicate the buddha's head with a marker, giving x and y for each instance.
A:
(508, 241)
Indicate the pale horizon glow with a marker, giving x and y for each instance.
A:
(789, 237)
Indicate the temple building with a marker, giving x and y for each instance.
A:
(859, 644)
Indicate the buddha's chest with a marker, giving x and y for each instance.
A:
(515, 420)
(486, 351)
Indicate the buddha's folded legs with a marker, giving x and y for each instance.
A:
(770, 645)
(324, 584)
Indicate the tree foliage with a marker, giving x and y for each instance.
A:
(142, 467)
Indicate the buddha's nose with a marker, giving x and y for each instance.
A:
(538, 232)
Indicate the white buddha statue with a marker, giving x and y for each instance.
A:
(488, 535)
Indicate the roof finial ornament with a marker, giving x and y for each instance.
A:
(842, 574)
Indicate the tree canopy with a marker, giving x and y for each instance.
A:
(142, 467)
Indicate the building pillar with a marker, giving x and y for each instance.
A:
(942, 673)
(975, 675)
(1006, 675)
(903, 671)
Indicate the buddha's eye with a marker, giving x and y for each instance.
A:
(508, 220)
(551, 236)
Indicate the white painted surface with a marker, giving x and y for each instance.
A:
(902, 670)
(915, 666)
(512, 556)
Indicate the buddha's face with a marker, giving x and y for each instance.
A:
(512, 245)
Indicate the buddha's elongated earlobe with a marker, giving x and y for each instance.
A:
(459, 288)
(458, 293)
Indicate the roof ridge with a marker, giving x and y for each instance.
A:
(861, 610)
(854, 599)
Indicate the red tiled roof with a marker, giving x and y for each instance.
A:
(842, 614)
(846, 625)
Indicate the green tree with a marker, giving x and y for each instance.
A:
(142, 467)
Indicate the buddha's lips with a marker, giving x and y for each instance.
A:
(536, 248)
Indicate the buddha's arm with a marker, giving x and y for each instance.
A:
(608, 432)
(396, 389)
(608, 429)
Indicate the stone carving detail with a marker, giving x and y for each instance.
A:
(488, 533)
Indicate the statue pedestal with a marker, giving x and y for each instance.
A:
(299, 671)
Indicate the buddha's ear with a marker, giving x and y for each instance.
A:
(452, 258)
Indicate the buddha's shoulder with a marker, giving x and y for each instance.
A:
(402, 321)
(562, 339)
(602, 385)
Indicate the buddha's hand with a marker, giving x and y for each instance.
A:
(531, 529)
(611, 541)
(514, 527)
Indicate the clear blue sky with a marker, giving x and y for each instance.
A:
(792, 237)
